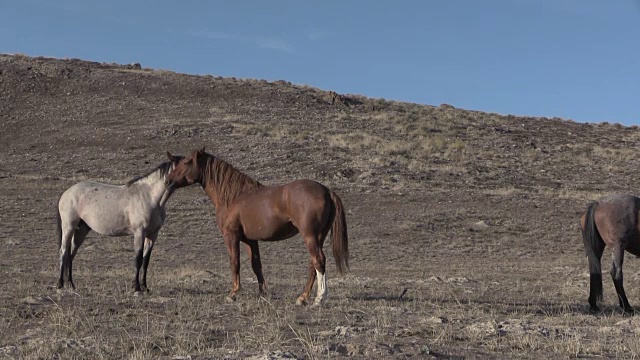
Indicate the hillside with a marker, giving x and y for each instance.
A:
(416, 180)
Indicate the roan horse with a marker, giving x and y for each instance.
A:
(248, 212)
(136, 208)
(610, 221)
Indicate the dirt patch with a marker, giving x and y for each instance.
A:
(463, 225)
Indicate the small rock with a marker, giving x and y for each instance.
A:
(33, 300)
(436, 320)
(480, 225)
(9, 351)
(274, 355)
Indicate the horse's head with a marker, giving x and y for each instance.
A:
(175, 160)
(187, 171)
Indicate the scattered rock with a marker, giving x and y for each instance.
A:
(274, 355)
(482, 328)
(436, 320)
(347, 330)
(457, 280)
(160, 299)
(480, 225)
(91, 248)
(36, 300)
(346, 349)
(9, 351)
(517, 326)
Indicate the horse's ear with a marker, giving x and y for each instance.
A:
(171, 157)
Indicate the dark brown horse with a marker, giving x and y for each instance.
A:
(248, 212)
(611, 221)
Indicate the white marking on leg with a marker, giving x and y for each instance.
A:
(147, 246)
(322, 288)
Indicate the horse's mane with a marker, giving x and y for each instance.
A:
(164, 169)
(227, 180)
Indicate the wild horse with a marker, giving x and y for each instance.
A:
(610, 221)
(136, 208)
(248, 212)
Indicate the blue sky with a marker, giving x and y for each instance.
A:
(576, 59)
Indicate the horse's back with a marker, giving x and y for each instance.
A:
(616, 217)
(275, 212)
(97, 204)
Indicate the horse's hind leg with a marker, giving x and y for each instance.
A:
(306, 293)
(253, 250)
(318, 259)
(65, 250)
(78, 238)
(146, 256)
(616, 274)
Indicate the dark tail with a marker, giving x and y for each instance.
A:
(594, 246)
(58, 225)
(339, 234)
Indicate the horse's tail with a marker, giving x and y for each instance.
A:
(339, 234)
(58, 225)
(594, 247)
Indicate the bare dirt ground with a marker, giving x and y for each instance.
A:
(475, 215)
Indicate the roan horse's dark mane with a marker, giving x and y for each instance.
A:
(164, 168)
(228, 181)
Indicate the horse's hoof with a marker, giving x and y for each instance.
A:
(60, 290)
(138, 293)
(230, 298)
(628, 311)
(301, 301)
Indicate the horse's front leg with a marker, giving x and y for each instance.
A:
(233, 246)
(138, 242)
(253, 250)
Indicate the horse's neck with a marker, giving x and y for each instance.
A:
(158, 192)
(212, 193)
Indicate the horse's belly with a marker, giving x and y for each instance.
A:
(109, 225)
(270, 233)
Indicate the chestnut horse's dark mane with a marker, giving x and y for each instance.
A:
(228, 181)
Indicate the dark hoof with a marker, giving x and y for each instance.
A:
(629, 311)
(138, 293)
(231, 298)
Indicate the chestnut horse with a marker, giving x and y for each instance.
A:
(248, 212)
(610, 221)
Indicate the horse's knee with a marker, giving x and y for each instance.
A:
(616, 274)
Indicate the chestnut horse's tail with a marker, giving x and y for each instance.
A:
(594, 246)
(339, 234)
